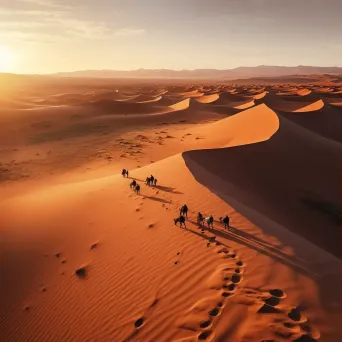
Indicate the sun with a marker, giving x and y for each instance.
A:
(6, 59)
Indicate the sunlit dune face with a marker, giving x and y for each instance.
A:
(6, 59)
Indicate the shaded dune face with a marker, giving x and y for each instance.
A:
(279, 104)
(291, 178)
(326, 122)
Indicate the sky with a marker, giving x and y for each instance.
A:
(47, 36)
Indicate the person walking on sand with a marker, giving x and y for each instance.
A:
(152, 179)
(200, 218)
(133, 184)
(210, 222)
(137, 189)
(155, 182)
(185, 210)
(148, 180)
(123, 172)
(127, 173)
(226, 222)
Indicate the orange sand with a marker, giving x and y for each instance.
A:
(268, 156)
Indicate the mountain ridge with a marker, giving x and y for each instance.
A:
(239, 72)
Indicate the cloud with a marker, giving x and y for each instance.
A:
(47, 20)
(45, 3)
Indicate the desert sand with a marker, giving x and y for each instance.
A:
(85, 258)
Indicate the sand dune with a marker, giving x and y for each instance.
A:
(208, 98)
(259, 96)
(320, 122)
(144, 99)
(227, 100)
(181, 105)
(84, 258)
(337, 103)
(194, 93)
(248, 127)
(304, 92)
(292, 106)
(303, 181)
(111, 297)
(324, 90)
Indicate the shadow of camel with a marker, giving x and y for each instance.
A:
(257, 244)
(168, 189)
(329, 285)
(134, 178)
(202, 234)
(159, 187)
(208, 238)
(157, 199)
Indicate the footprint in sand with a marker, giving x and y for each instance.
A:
(231, 277)
(214, 312)
(94, 245)
(224, 281)
(139, 323)
(81, 272)
(277, 293)
(292, 323)
(205, 324)
(204, 335)
(227, 294)
(297, 316)
(230, 287)
(236, 278)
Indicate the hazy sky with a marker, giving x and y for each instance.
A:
(44, 36)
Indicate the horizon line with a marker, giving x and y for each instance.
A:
(170, 69)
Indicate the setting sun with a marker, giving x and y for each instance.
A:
(6, 59)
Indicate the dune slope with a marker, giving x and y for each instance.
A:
(104, 263)
(294, 172)
(85, 258)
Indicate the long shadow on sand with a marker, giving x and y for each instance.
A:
(159, 187)
(203, 235)
(168, 189)
(259, 245)
(137, 179)
(157, 199)
(329, 297)
(269, 192)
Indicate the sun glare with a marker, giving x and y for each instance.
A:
(6, 59)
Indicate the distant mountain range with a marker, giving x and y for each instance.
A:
(241, 72)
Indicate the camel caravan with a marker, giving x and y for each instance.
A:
(150, 181)
(183, 211)
(201, 220)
